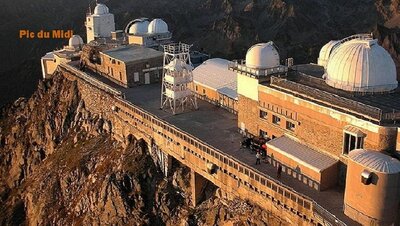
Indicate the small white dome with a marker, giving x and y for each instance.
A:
(139, 26)
(262, 56)
(157, 26)
(75, 41)
(101, 9)
(325, 52)
(361, 66)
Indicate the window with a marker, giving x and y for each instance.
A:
(120, 76)
(290, 126)
(136, 77)
(197, 88)
(204, 91)
(263, 114)
(276, 120)
(118, 62)
(352, 142)
(263, 133)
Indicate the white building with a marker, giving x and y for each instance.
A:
(150, 34)
(100, 24)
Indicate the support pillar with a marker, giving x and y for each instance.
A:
(197, 184)
(161, 159)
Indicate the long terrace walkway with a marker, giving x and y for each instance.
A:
(218, 128)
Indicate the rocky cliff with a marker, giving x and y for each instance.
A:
(60, 166)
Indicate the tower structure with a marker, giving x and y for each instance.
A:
(176, 94)
(100, 23)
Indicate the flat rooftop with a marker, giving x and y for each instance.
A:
(307, 80)
(301, 153)
(219, 128)
(132, 53)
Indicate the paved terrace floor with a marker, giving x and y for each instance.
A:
(218, 128)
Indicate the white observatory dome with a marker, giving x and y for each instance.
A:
(262, 56)
(361, 66)
(157, 26)
(325, 52)
(101, 9)
(139, 26)
(75, 41)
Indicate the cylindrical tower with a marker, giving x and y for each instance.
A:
(372, 188)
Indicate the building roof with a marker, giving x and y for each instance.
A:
(375, 161)
(132, 53)
(301, 153)
(262, 56)
(361, 66)
(214, 73)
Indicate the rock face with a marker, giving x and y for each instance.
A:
(59, 165)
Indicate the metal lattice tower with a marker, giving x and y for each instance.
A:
(176, 92)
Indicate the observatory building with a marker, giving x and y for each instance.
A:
(148, 33)
(71, 52)
(99, 23)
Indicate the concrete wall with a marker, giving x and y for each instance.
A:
(247, 86)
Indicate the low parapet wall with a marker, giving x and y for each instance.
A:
(232, 176)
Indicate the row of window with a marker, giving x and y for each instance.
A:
(277, 120)
(274, 108)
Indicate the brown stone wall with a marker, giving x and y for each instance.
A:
(248, 114)
(314, 125)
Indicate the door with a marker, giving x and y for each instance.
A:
(146, 78)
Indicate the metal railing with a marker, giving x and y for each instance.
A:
(328, 99)
(254, 72)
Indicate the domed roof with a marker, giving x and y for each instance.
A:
(262, 56)
(101, 9)
(157, 26)
(75, 41)
(139, 26)
(375, 160)
(361, 66)
(325, 52)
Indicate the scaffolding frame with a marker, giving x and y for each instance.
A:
(178, 52)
